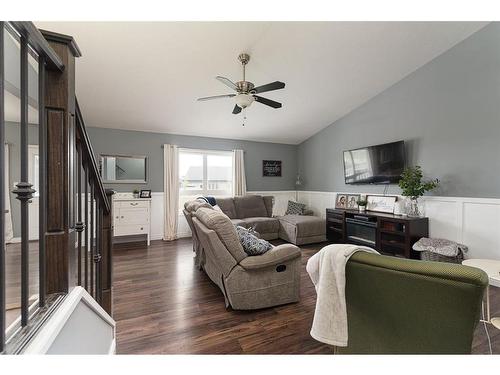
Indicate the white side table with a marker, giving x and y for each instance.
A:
(492, 268)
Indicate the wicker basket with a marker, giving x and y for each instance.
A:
(428, 255)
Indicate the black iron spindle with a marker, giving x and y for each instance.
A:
(24, 191)
(92, 228)
(2, 192)
(86, 258)
(79, 224)
(97, 254)
(42, 147)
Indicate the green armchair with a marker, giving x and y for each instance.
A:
(402, 306)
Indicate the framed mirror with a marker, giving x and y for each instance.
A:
(123, 169)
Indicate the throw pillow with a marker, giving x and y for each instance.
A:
(252, 244)
(295, 208)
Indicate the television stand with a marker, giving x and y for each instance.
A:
(389, 234)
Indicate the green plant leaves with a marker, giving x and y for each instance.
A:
(412, 185)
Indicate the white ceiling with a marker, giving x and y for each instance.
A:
(147, 76)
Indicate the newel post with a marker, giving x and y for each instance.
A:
(60, 213)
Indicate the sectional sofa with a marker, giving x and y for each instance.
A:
(257, 211)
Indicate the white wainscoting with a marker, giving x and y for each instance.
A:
(474, 222)
(157, 216)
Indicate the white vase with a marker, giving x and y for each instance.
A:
(362, 208)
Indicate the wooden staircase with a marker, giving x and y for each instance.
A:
(75, 218)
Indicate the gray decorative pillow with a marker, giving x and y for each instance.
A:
(295, 208)
(252, 244)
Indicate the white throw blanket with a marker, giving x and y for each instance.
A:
(327, 271)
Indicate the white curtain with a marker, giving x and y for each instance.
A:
(9, 234)
(239, 180)
(170, 191)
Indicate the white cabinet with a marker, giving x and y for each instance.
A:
(132, 216)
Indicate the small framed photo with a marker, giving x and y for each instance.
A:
(145, 194)
(352, 201)
(341, 201)
(381, 203)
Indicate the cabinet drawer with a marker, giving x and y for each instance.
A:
(131, 204)
(126, 230)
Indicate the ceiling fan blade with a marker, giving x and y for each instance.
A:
(236, 110)
(215, 97)
(269, 102)
(227, 82)
(269, 87)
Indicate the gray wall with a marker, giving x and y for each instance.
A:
(448, 112)
(112, 141)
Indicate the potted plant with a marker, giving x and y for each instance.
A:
(136, 193)
(362, 203)
(413, 188)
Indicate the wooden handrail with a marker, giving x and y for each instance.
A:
(38, 42)
(90, 156)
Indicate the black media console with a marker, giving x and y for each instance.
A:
(387, 233)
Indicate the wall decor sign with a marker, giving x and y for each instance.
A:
(381, 203)
(271, 168)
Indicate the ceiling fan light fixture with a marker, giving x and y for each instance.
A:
(245, 90)
(244, 100)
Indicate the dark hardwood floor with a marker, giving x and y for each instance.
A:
(13, 278)
(164, 305)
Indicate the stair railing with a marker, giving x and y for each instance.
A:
(75, 211)
(93, 222)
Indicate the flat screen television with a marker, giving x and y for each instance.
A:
(380, 164)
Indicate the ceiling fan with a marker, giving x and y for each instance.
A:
(245, 90)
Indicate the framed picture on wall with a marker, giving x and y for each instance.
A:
(380, 203)
(271, 168)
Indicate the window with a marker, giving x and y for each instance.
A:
(204, 173)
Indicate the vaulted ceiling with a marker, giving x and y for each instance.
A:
(147, 76)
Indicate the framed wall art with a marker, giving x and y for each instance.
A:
(271, 168)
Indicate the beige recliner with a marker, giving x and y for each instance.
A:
(188, 211)
(247, 282)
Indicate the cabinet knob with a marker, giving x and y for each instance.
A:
(122, 217)
(118, 217)
(142, 228)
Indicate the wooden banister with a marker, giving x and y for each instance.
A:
(88, 154)
(98, 278)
